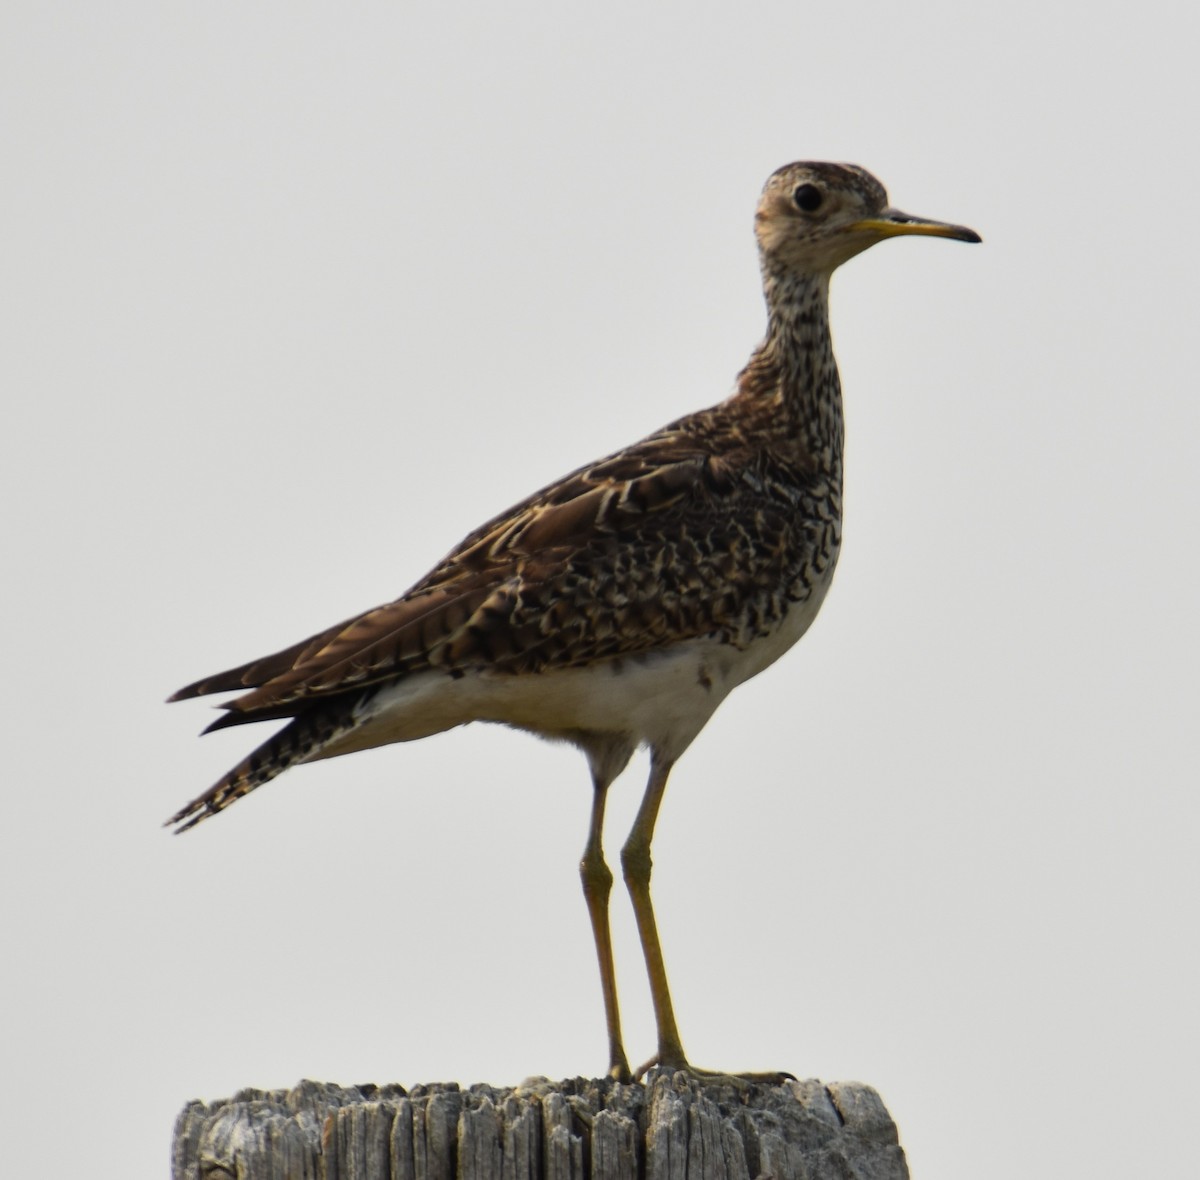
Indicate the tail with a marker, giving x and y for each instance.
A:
(297, 741)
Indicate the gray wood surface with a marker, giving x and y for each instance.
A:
(675, 1127)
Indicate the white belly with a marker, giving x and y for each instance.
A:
(661, 699)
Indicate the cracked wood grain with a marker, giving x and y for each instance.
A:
(675, 1127)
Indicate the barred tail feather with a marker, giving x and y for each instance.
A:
(299, 740)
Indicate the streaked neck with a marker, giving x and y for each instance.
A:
(794, 370)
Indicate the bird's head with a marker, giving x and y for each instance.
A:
(813, 217)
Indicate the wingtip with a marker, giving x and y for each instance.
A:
(205, 686)
(195, 689)
(222, 722)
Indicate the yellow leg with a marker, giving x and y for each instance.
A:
(636, 865)
(597, 885)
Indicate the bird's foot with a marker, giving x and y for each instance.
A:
(714, 1077)
(619, 1071)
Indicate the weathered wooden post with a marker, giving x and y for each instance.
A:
(674, 1127)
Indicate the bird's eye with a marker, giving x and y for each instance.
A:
(807, 197)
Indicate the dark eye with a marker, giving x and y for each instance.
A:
(808, 198)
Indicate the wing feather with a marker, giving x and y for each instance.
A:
(661, 541)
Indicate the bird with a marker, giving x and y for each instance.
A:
(616, 608)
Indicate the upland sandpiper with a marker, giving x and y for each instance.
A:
(618, 607)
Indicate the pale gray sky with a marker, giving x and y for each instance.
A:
(293, 296)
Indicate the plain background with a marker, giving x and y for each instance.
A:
(294, 295)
